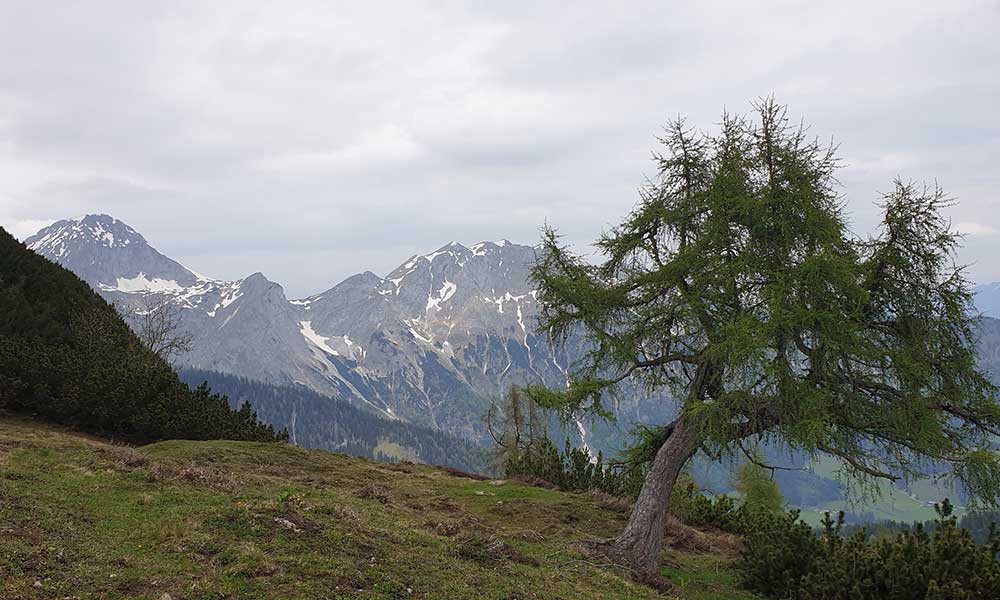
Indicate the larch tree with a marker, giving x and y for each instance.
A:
(736, 284)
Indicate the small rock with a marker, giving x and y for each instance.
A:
(166, 597)
(287, 525)
(498, 482)
(38, 584)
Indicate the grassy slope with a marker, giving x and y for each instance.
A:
(86, 519)
(888, 503)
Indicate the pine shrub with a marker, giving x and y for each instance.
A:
(67, 356)
(572, 469)
(785, 559)
(691, 506)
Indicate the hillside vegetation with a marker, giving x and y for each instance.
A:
(82, 518)
(314, 420)
(67, 355)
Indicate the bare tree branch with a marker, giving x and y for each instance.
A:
(159, 326)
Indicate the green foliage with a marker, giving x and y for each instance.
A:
(523, 448)
(785, 559)
(779, 553)
(724, 512)
(572, 469)
(88, 525)
(67, 355)
(737, 285)
(759, 491)
(517, 426)
(980, 524)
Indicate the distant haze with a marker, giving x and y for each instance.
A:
(312, 140)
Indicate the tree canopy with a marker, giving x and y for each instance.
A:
(737, 284)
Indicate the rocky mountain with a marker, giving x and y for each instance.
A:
(988, 348)
(433, 342)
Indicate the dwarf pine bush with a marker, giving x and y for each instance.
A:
(786, 560)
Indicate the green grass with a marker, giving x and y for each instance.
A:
(885, 501)
(81, 518)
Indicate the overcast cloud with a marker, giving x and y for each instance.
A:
(313, 140)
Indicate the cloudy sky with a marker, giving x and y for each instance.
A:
(314, 140)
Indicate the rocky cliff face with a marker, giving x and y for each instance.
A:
(434, 341)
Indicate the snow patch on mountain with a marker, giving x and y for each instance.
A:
(434, 341)
(411, 325)
(444, 294)
(140, 283)
(230, 317)
(315, 338)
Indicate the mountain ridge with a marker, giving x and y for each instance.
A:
(433, 341)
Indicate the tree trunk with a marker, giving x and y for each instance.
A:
(639, 544)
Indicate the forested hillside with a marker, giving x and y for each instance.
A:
(66, 355)
(317, 421)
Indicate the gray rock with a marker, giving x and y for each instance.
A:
(434, 341)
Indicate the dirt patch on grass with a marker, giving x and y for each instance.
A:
(9, 444)
(224, 481)
(460, 473)
(534, 481)
(443, 504)
(467, 525)
(401, 467)
(375, 492)
(684, 538)
(612, 503)
(296, 523)
(352, 582)
(443, 528)
(343, 514)
(23, 533)
(489, 548)
(125, 457)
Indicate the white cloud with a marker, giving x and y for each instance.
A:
(252, 134)
(375, 150)
(974, 229)
(25, 228)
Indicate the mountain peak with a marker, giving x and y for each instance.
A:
(106, 251)
(97, 229)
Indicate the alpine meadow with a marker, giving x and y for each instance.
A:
(499, 301)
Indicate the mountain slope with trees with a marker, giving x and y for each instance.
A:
(67, 355)
(317, 421)
(434, 341)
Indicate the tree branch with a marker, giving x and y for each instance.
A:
(857, 464)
